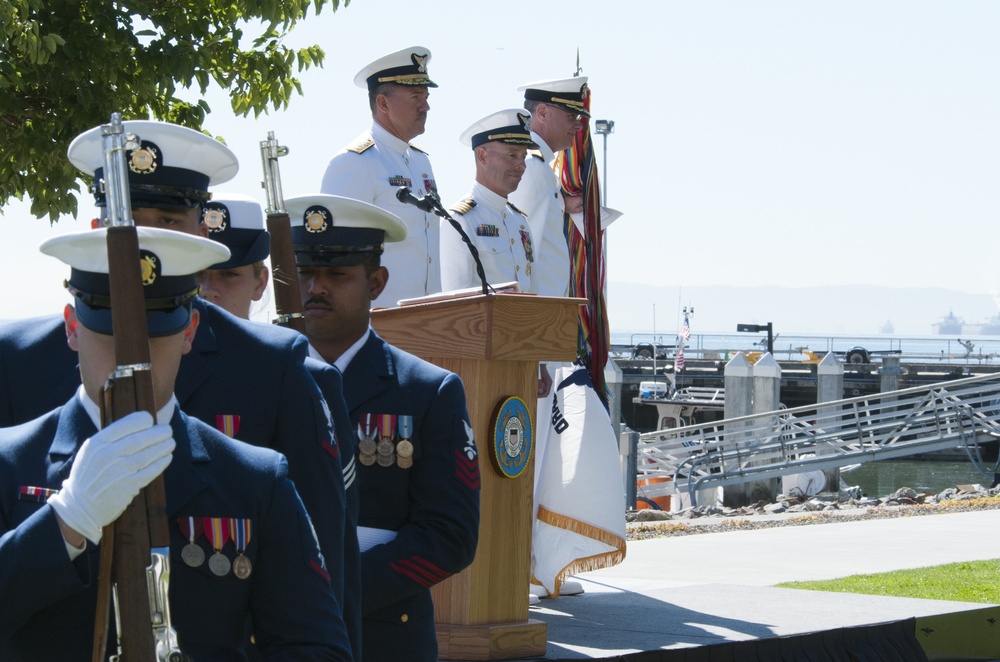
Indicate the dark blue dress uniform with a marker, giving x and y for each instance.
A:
(239, 376)
(331, 383)
(48, 609)
(432, 506)
(38, 370)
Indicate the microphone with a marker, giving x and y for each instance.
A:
(431, 203)
(405, 195)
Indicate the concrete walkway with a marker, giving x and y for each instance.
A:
(711, 588)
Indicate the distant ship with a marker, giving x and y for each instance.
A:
(949, 325)
(990, 327)
(887, 328)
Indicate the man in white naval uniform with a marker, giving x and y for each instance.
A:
(497, 229)
(379, 161)
(556, 108)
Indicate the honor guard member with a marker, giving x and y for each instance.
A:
(237, 221)
(241, 546)
(379, 161)
(418, 468)
(498, 229)
(247, 380)
(556, 108)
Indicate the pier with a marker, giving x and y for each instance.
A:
(798, 377)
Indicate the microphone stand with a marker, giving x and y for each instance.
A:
(431, 202)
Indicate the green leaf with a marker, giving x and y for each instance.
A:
(65, 65)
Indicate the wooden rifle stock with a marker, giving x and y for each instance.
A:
(287, 301)
(126, 544)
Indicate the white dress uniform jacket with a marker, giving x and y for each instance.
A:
(538, 196)
(371, 169)
(501, 234)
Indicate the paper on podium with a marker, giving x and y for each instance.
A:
(501, 288)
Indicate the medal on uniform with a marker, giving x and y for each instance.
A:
(367, 459)
(35, 494)
(239, 531)
(192, 553)
(366, 435)
(404, 448)
(387, 432)
(217, 535)
(404, 462)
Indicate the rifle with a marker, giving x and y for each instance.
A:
(287, 302)
(135, 552)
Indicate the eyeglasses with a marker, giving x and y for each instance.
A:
(576, 117)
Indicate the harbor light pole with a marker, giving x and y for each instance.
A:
(604, 127)
(757, 328)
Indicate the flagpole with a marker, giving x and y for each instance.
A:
(654, 342)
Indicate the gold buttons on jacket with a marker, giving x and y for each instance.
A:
(404, 618)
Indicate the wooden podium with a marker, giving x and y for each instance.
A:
(494, 343)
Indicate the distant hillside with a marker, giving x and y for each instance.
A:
(829, 310)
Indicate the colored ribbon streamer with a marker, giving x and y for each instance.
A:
(577, 170)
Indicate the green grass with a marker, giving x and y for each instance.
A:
(975, 581)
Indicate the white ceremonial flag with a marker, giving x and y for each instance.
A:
(580, 524)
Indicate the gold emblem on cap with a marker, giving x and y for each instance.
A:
(148, 265)
(143, 160)
(316, 220)
(214, 219)
(421, 62)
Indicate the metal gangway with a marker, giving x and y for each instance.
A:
(959, 413)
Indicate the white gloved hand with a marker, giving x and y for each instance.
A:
(110, 469)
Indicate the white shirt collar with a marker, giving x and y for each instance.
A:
(344, 359)
(543, 147)
(384, 138)
(164, 415)
(489, 198)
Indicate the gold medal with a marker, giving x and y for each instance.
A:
(367, 459)
(242, 566)
(385, 447)
(367, 446)
(219, 564)
(404, 462)
(193, 554)
(386, 460)
(404, 448)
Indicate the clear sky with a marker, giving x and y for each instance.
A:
(756, 143)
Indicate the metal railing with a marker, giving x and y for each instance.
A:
(829, 435)
(787, 347)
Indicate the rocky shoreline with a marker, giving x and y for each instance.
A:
(821, 509)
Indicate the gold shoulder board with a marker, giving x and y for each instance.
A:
(537, 153)
(516, 209)
(361, 145)
(463, 207)
(414, 147)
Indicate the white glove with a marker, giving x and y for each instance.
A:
(110, 469)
